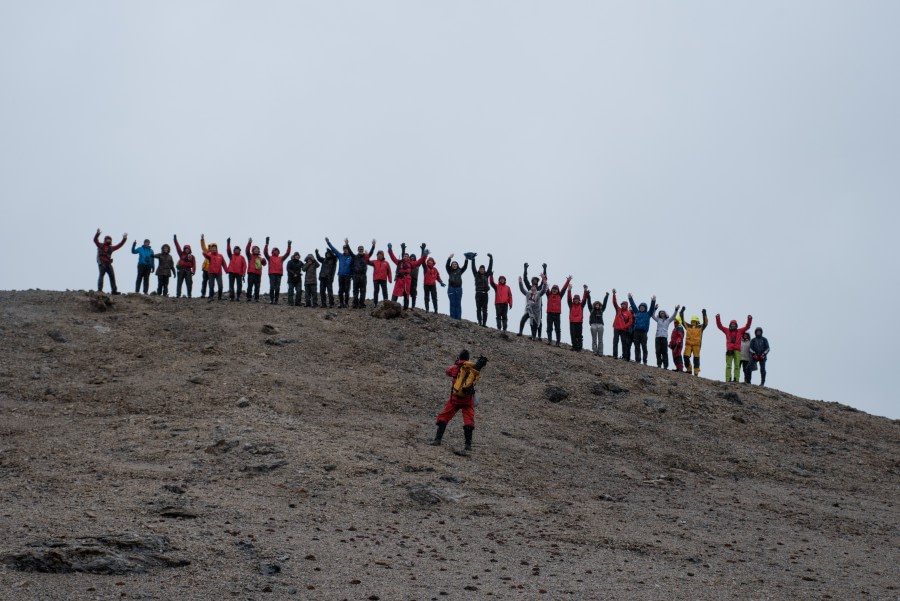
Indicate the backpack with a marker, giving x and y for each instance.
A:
(467, 377)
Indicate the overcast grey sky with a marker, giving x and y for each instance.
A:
(738, 156)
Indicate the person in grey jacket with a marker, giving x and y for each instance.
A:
(759, 352)
(534, 306)
(745, 356)
(164, 270)
(663, 321)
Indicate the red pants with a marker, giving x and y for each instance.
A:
(454, 404)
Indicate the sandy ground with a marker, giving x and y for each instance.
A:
(281, 451)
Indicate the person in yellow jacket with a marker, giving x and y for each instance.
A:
(693, 338)
(205, 280)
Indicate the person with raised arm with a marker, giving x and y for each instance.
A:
(237, 271)
(733, 335)
(503, 301)
(693, 340)
(431, 278)
(276, 269)
(576, 316)
(533, 306)
(186, 267)
(663, 321)
(554, 309)
(454, 285)
(596, 321)
(621, 328)
(105, 250)
(326, 276)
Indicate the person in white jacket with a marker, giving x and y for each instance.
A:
(663, 321)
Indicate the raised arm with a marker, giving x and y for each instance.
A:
(247, 250)
(491, 282)
(371, 249)
(490, 268)
(392, 255)
(463, 268)
(566, 285)
(525, 272)
(719, 324)
(228, 247)
(319, 257)
(331, 246)
(605, 298)
(749, 321)
(287, 253)
(522, 287)
(177, 246)
(449, 261)
(705, 320)
(569, 296)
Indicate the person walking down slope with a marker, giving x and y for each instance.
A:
(309, 269)
(255, 263)
(294, 269)
(465, 375)
(454, 286)
(431, 278)
(326, 276)
(641, 327)
(215, 269)
(677, 345)
(276, 269)
(621, 325)
(503, 301)
(237, 270)
(187, 267)
(533, 306)
(733, 336)
(663, 321)
(105, 260)
(576, 316)
(596, 321)
(165, 269)
(144, 265)
(482, 287)
(693, 340)
(759, 352)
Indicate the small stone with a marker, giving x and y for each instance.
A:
(555, 394)
(655, 404)
(57, 336)
(243, 402)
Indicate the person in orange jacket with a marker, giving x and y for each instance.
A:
(381, 275)
(105, 260)
(733, 336)
(237, 270)
(554, 309)
(186, 268)
(622, 325)
(503, 301)
(215, 268)
(255, 263)
(276, 269)
(576, 316)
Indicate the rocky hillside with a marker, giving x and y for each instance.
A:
(176, 449)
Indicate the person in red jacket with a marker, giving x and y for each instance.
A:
(503, 301)
(105, 260)
(215, 269)
(276, 270)
(381, 275)
(237, 269)
(459, 402)
(403, 272)
(621, 327)
(431, 278)
(733, 346)
(576, 316)
(255, 263)
(554, 310)
(676, 343)
(185, 268)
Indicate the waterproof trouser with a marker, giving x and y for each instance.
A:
(326, 292)
(295, 292)
(379, 285)
(597, 338)
(430, 293)
(502, 310)
(106, 269)
(639, 338)
(143, 277)
(312, 300)
(454, 404)
(662, 352)
(204, 282)
(455, 295)
(344, 290)
(214, 279)
(692, 350)
(162, 285)
(481, 306)
(235, 280)
(732, 360)
(274, 287)
(253, 282)
(359, 291)
(552, 322)
(184, 277)
(576, 333)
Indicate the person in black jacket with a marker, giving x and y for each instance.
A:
(759, 352)
(295, 280)
(414, 279)
(454, 286)
(596, 321)
(326, 276)
(309, 269)
(482, 287)
(359, 269)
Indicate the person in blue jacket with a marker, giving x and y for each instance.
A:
(641, 327)
(345, 272)
(144, 265)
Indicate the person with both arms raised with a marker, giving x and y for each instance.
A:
(359, 270)
(596, 321)
(326, 276)
(576, 316)
(344, 271)
(237, 270)
(255, 263)
(276, 269)
(403, 272)
(663, 321)
(482, 287)
(309, 269)
(535, 282)
(105, 260)
(294, 269)
(454, 285)
(641, 327)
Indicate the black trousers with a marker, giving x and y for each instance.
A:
(576, 332)
(625, 337)
(106, 269)
(379, 285)
(184, 277)
(253, 282)
(274, 287)
(326, 288)
(311, 298)
(552, 322)
(430, 293)
(235, 279)
(143, 276)
(640, 345)
(481, 306)
(344, 290)
(539, 329)
(413, 291)
(162, 285)
(359, 290)
(502, 310)
(204, 282)
(662, 352)
(295, 292)
(215, 278)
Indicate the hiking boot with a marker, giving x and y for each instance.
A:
(468, 434)
(438, 434)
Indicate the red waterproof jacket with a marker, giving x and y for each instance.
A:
(733, 337)
(382, 270)
(554, 301)
(576, 311)
(105, 251)
(432, 275)
(276, 263)
(251, 261)
(186, 259)
(404, 268)
(677, 338)
(502, 293)
(216, 262)
(237, 265)
(624, 318)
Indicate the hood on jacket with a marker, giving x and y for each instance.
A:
(430, 262)
(380, 255)
(187, 248)
(732, 325)
(454, 265)
(642, 307)
(166, 249)
(236, 251)
(758, 331)
(255, 250)
(502, 279)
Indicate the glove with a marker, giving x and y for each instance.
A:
(390, 246)
(470, 255)
(425, 252)
(756, 357)
(704, 312)
(289, 242)
(526, 265)
(403, 247)
(490, 256)
(443, 285)
(422, 246)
